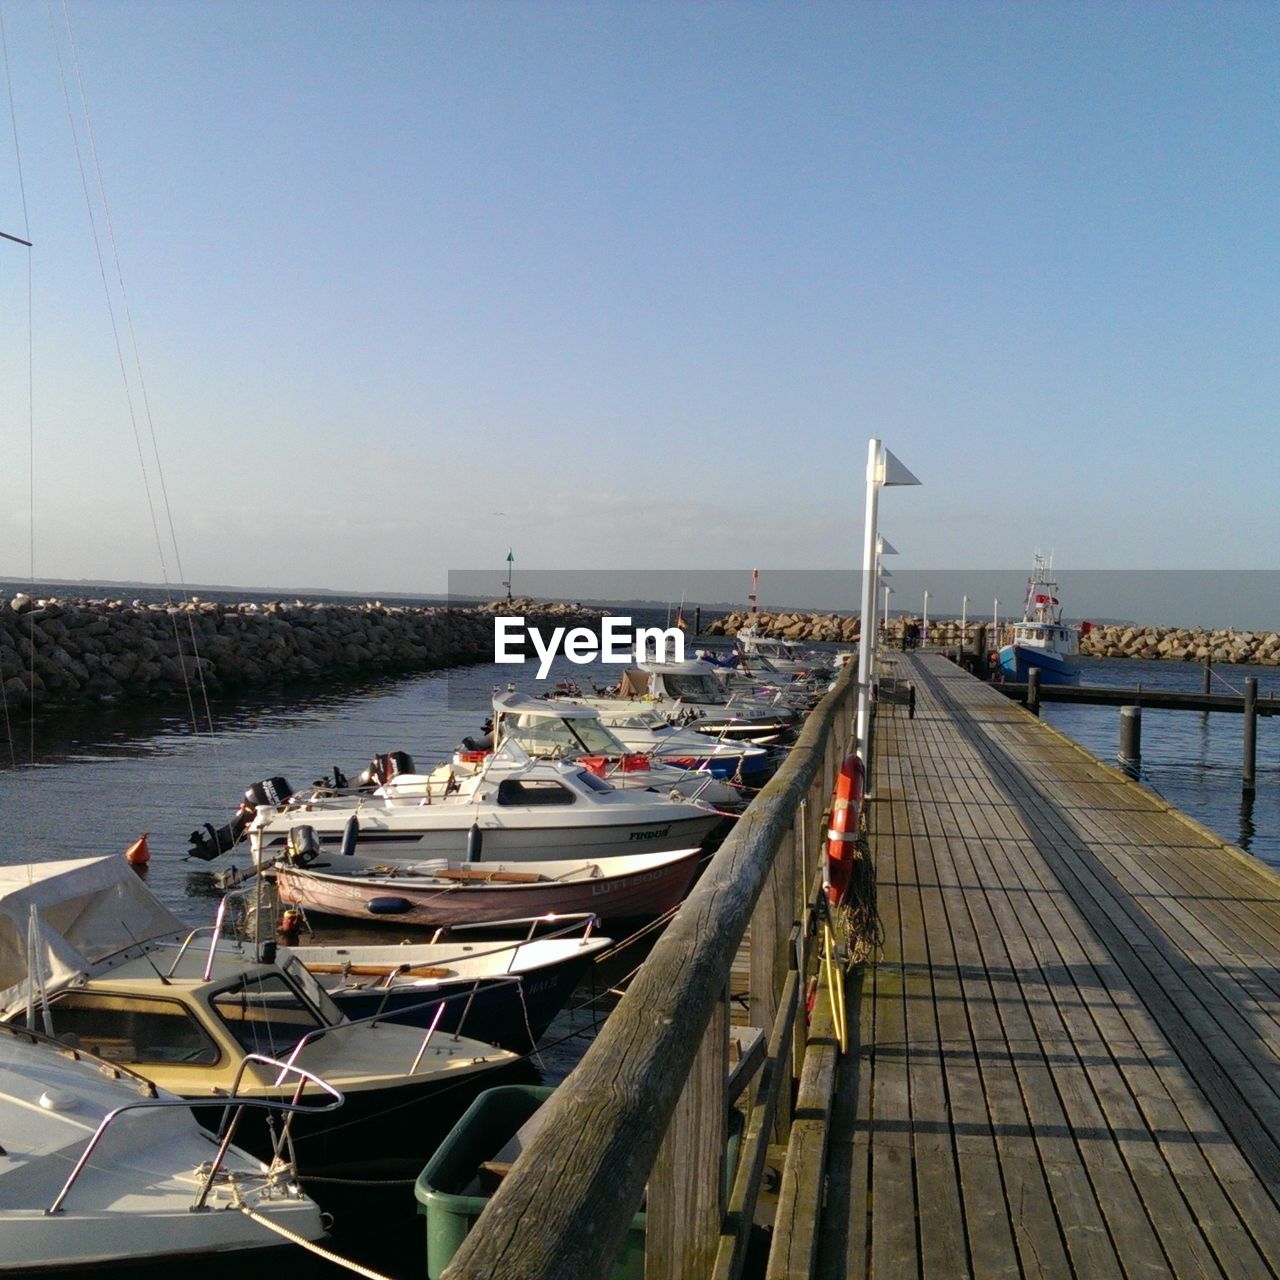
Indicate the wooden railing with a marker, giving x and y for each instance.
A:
(648, 1105)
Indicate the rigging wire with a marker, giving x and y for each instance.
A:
(31, 433)
(141, 395)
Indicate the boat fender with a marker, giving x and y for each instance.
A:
(350, 835)
(846, 820)
(388, 906)
(475, 843)
(303, 845)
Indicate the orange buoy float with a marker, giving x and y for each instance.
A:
(842, 835)
(137, 854)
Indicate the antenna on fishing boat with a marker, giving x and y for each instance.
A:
(4, 235)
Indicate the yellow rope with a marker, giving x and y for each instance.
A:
(327, 1254)
(835, 987)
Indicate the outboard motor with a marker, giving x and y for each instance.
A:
(385, 767)
(208, 843)
(302, 846)
(272, 791)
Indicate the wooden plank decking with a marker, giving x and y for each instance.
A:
(1068, 1061)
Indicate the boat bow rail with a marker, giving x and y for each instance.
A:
(648, 1103)
(236, 1103)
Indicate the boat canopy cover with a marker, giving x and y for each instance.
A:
(521, 704)
(88, 908)
(634, 683)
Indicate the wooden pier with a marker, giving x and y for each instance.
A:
(1069, 1050)
(1065, 1057)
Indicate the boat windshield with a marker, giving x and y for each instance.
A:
(129, 1028)
(266, 1013)
(696, 688)
(639, 719)
(557, 736)
(314, 992)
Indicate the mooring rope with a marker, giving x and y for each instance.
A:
(310, 1245)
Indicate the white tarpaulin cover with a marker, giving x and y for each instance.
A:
(87, 908)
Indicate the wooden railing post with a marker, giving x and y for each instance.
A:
(770, 951)
(800, 903)
(686, 1186)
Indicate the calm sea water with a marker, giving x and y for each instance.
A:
(1191, 758)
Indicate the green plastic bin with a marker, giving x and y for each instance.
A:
(485, 1128)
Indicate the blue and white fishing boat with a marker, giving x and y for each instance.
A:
(1041, 640)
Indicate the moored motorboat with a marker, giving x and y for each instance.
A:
(513, 807)
(648, 731)
(146, 1165)
(1041, 641)
(560, 730)
(502, 992)
(108, 968)
(693, 695)
(788, 656)
(438, 893)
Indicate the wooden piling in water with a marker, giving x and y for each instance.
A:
(1131, 735)
(1249, 771)
(1033, 691)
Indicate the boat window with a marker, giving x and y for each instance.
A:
(534, 791)
(265, 1014)
(550, 735)
(592, 782)
(314, 992)
(132, 1029)
(637, 720)
(697, 688)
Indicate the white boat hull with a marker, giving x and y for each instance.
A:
(400, 835)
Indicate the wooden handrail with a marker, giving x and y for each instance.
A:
(564, 1209)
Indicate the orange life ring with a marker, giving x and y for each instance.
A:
(842, 835)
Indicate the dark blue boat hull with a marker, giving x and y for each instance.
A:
(510, 1014)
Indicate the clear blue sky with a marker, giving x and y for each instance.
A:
(643, 278)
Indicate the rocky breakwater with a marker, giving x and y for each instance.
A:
(64, 650)
(831, 628)
(1178, 644)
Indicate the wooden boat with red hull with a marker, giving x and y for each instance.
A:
(437, 893)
